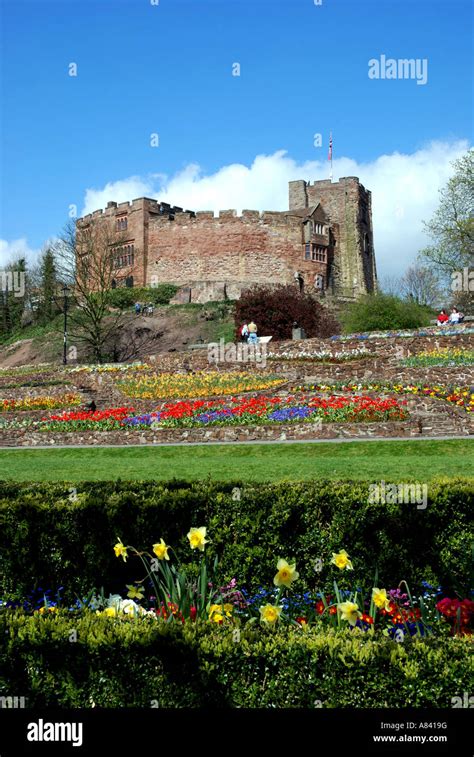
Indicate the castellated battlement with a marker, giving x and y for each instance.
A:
(323, 242)
(164, 211)
(140, 204)
(227, 216)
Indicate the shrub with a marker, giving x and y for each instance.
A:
(275, 310)
(50, 539)
(125, 297)
(143, 663)
(383, 311)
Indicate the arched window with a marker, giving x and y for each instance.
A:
(129, 281)
(114, 284)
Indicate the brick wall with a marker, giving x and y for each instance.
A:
(228, 250)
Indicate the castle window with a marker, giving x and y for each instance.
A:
(307, 251)
(122, 223)
(318, 254)
(124, 256)
(319, 282)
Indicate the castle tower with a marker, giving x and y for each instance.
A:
(349, 207)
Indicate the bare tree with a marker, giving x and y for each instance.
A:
(390, 284)
(86, 262)
(421, 285)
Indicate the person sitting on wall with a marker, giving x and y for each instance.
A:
(443, 318)
(252, 337)
(244, 332)
(456, 316)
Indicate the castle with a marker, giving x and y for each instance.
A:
(323, 243)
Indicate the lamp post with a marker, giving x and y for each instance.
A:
(65, 290)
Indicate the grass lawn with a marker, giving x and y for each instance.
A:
(402, 460)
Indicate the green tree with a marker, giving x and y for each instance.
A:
(48, 286)
(451, 228)
(376, 312)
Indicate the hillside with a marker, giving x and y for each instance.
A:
(171, 328)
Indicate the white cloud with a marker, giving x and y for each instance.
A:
(404, 191)
(18, 248)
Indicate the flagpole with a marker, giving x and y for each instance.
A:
(330, 152)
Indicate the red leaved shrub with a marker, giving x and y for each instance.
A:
(276, 308)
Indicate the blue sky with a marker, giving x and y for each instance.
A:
(167, 69)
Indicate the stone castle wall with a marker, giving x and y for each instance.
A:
(348, 204)
(228, 251)
(218, 256)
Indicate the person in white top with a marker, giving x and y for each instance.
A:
(456, 316)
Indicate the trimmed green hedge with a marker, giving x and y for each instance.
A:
(48, 540)
(145, 663)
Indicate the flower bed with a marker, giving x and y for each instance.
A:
(441, 357)
(402, 333)
(200, 384)
(99, 420)
(40, 403)
(243, 411)
(264, 410)
(110, 368)
(298, 352)
(169, 592)
(462, 396)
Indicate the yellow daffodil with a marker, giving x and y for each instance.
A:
(161, 550)
(341, 560)
(286, 574)
(215, 614)
(270, 613)
(110, 612)
(380, 599)
(350, 612)
(135, 592)
(218, 613)
(120, 550)
(197, 538)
